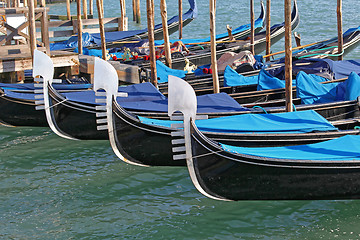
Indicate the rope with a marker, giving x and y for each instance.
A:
(206, 154)
(341, 114)
(321, 49)
(254, 107)
(56, 104)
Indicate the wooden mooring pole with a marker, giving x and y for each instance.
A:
(288, 57)
(180, 20)
(100, 9)
(84, 3)
(166, 33)
(150, 24)
(252, 22)
(32, 28)
(268, 22)
(68, 13)
(79, 26)
(213, 46)
(122, 15)
(138, 15)
(340, 31)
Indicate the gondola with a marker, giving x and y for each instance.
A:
(73, 115)
(202, 57)
(147, 142)
(113, 37)
(325, 170)
(17, 103)
(351, 38)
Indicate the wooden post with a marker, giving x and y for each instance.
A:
(252, 22)
(32, 28)
(165, 32)
(288, 57)
(100, 9)
(42, 3)
(79, 26)
(84, 3)
(68, 13)
(180, 20)
(45, 31)
(25, 3)
(122, 15)
(340, 31)
(268, 22)
(213, 47)
(134, 9)
(138, 15)
(150, 24)
(91, 7)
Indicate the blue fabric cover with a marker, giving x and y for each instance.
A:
(219, 102)
(136, 92)
(289, 122)
(352, 87)
(342, 69)
(30, 86)
(311, 91)
(145, 97)
(232, 78)
(266, 81)
(19, 95)
(345, 148)
(118, 35)
(164, 71)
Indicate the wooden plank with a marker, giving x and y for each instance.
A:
(21, 62)
(20, 10)
(126, 73)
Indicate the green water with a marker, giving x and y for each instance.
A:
(52, 188)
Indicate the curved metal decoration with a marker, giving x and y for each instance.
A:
(106, 78)
(182, 97)
(43, 66)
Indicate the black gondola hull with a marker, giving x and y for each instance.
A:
(227, 176)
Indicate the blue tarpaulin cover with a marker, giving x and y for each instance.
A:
(136, 92)
(312, 92)
(289, 122)
(164, 71)
(267, 81)
(145, 97)
(345, 148)
(342, 69)
(232, 78)
(30, 86)
(219, 102)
